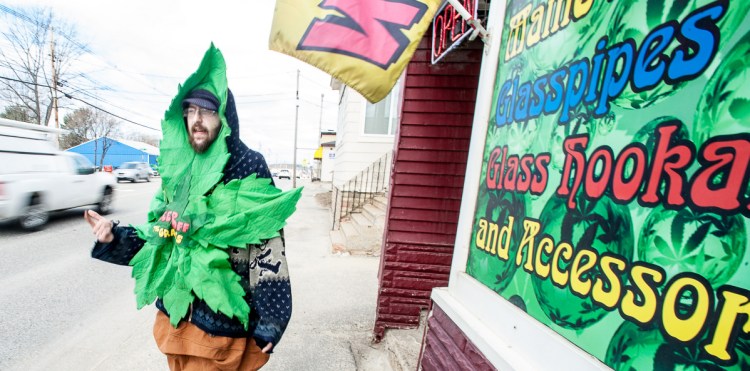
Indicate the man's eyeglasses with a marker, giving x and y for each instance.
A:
(190, 112)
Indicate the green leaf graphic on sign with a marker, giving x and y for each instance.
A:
(636, 19)
(575, 39)
(740, 109)
(601, 225)
(723, 107)
(708, 244)
(634, 348)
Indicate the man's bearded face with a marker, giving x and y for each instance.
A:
(202, 126)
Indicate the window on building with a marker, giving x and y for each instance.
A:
(382, 117)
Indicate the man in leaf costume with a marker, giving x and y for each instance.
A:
(211, 254)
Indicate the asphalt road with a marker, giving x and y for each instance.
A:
(49, 284)
(63, 310)
(50, 287)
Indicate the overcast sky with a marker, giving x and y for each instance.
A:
(141, 50)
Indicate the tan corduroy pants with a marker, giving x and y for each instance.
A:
(189, 348)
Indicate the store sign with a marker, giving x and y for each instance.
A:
(614, 197)
(449, 29)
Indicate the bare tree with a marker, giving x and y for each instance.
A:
(26, 64)
(85, 124)
(17, 112)
(143, 137)
(78, 125)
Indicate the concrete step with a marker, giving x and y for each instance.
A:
(380, 202)
(365, 242)
(362, 223)
(375, 215)
(348, 228)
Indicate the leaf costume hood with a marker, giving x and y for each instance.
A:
(208, 202)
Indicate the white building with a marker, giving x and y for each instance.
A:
(365, 131)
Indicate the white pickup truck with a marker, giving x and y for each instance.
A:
(37, 178)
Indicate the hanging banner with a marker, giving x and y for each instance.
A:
(366, 44)
(614, 199)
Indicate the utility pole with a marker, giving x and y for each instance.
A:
(54, 82)
(320, 140)
(320, 121)
(296, 119)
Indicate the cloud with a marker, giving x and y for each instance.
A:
(142, 49)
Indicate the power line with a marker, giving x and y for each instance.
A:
(234, 78)
(83, 47)
(265, 101)
(80, 100)
(238, 96)
(21, 15)
(16, 14)
(25, 82)
(110, 113)
(316, 82)
(95, 97)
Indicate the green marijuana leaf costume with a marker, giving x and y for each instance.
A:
(196, 217)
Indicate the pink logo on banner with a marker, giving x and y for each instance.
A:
(370, 30)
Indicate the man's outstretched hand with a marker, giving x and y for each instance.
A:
(267, 348)
(101, 226)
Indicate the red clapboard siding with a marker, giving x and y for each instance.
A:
(439, 156)
(437, 213)
(431, 257)
(437, 105)
(421, 179)
(451, 82)
(427, 182)
(423, 210)
(421, 238)
(428, 144)
(446, 347)
(448, 181)
(436, 170)
(465, 95)
(467, 56)
(436, 119)
(419, 226)
(428, 191)
(427, 68)
(435, 131)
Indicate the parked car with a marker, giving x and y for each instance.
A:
(133, 171)
(36, 178)
(153, 171)
(285, 173)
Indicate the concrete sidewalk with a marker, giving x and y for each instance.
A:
(334, 300)
(334, 297)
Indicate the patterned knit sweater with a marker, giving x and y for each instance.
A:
(263, 275)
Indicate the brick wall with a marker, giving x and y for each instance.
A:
(447, 348)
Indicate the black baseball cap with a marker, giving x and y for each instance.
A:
(201, 98)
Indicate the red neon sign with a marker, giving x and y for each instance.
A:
(449, 29)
